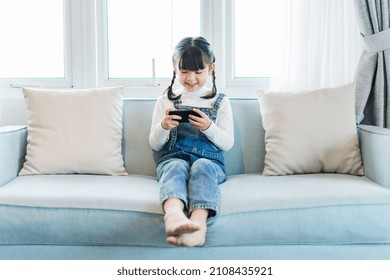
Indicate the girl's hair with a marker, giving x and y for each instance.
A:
(192, 54)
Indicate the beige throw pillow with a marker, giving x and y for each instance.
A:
(311, 131)
(74, 131)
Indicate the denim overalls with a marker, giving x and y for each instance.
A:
(191, 166)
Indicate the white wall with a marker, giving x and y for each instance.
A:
(12, 107)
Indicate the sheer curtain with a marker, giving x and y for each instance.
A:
(318, 44)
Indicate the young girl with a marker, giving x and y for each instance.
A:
(191, 164)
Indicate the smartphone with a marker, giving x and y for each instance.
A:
(184, 114)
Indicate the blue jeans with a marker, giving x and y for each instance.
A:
(197, 185)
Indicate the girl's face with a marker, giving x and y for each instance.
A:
(194, 80)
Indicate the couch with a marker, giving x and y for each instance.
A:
(302, 216)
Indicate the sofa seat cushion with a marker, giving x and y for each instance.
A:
(255, 210)
(127, 193)
(302, 209)
(81, 210)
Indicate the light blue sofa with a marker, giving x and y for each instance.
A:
(313, 216)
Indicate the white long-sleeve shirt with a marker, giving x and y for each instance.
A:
(221, 133)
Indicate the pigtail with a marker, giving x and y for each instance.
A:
(213, 90)
(169, 90)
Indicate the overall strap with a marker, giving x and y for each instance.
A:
(173, 133)
(216, 106)
(177, 103)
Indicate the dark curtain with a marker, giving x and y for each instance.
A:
(373, 71)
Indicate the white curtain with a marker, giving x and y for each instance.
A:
(318, 46)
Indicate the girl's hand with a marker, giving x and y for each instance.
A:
(170, 121)
(202, 123)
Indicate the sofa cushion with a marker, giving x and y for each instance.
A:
(311, 131)
(255, 210)
(82, 210)
(74, 131)
(133, 192)
(302, 209)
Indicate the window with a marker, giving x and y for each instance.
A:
(292, 44)
(253, 37)
(32, 48)
(142, 56)
(141, 36)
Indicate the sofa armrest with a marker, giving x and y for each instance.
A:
(13, 142)
(375, 149)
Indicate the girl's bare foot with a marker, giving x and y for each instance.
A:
(195, 238)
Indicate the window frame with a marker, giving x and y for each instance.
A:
(65, 82)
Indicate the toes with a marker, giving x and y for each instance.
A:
(188, 227)
(178, 223)
(174, 241)
(188, 240)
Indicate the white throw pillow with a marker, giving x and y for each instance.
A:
(311, 131)
(74, 131)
